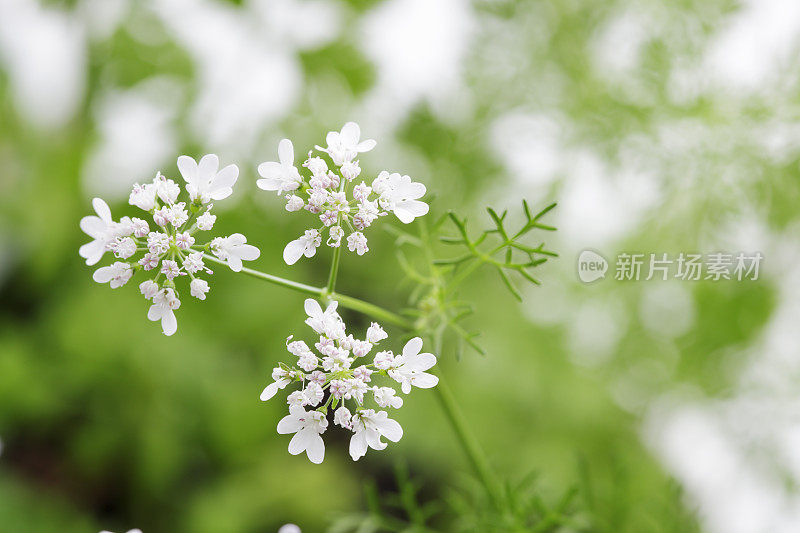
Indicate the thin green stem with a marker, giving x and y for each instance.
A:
(337, 254)
(349, 302)
(468, 441)
(289, 284)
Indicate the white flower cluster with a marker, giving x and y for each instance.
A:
(342, 210)
(337, 374)
(170, 250)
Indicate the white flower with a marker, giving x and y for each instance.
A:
(140, 227)
(177, 215)
(356, 389)
(157, 242)
(101, 229)
(319, 320)
(149, 288)
(304, 246)
(375, 333)
(170, 268)
(206, 221)
(409, 368)
(383, 360)
(199, 288)
(281, 176)
(164, 305)
(363, 373)
(234, 249)
(335, 236)
(296, 398)
(129, 531)
(307, 427)
(123, 248)
(350, 170)
(369, 427)
(316, 165)
(344, 145)
(313, 393)
(294, 203)
(149, 261)
(143, 196)
(161, 216)
(357, 242)
(116, 275)
(193, 263)
(400, 195)
(342, 417)
(282, 378)
(289, 528)
(385, 397)
(361, 191)
(166, 189)
(203, 182)
(184, 241)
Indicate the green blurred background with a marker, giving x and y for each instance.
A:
(657, 127)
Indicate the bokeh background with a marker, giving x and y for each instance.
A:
(656, 126)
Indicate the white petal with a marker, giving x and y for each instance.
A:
(188, 168)
(270, 169)
(407, 210)
(102, 210)
(92, 252)
(155, 312)
(248, 252)
(236, 239)
(374, 440)
(350, 134)
(312, 307)
(268, 392)
(391, 429)
(358, 445)
(207, 168)
(412, 347)
(103, 274)
(315, 449)
(226, 178)
(421, 362)
(293, 251)
(93, 226)
(286, 152)
(366, 146)
(300, 441)
(289, 424)
(235, 263)
(424, 380)
(269, 184)
(169, 324)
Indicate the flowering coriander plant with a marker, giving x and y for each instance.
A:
(171, 250)
(353, 379)
(342, 210)
(339, 373)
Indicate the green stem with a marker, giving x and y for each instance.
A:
(337, 254)
(345, 301)
(289, 284)
(468, 441)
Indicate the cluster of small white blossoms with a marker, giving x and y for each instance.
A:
(169, 249)
(343, 213)
(337, 373)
